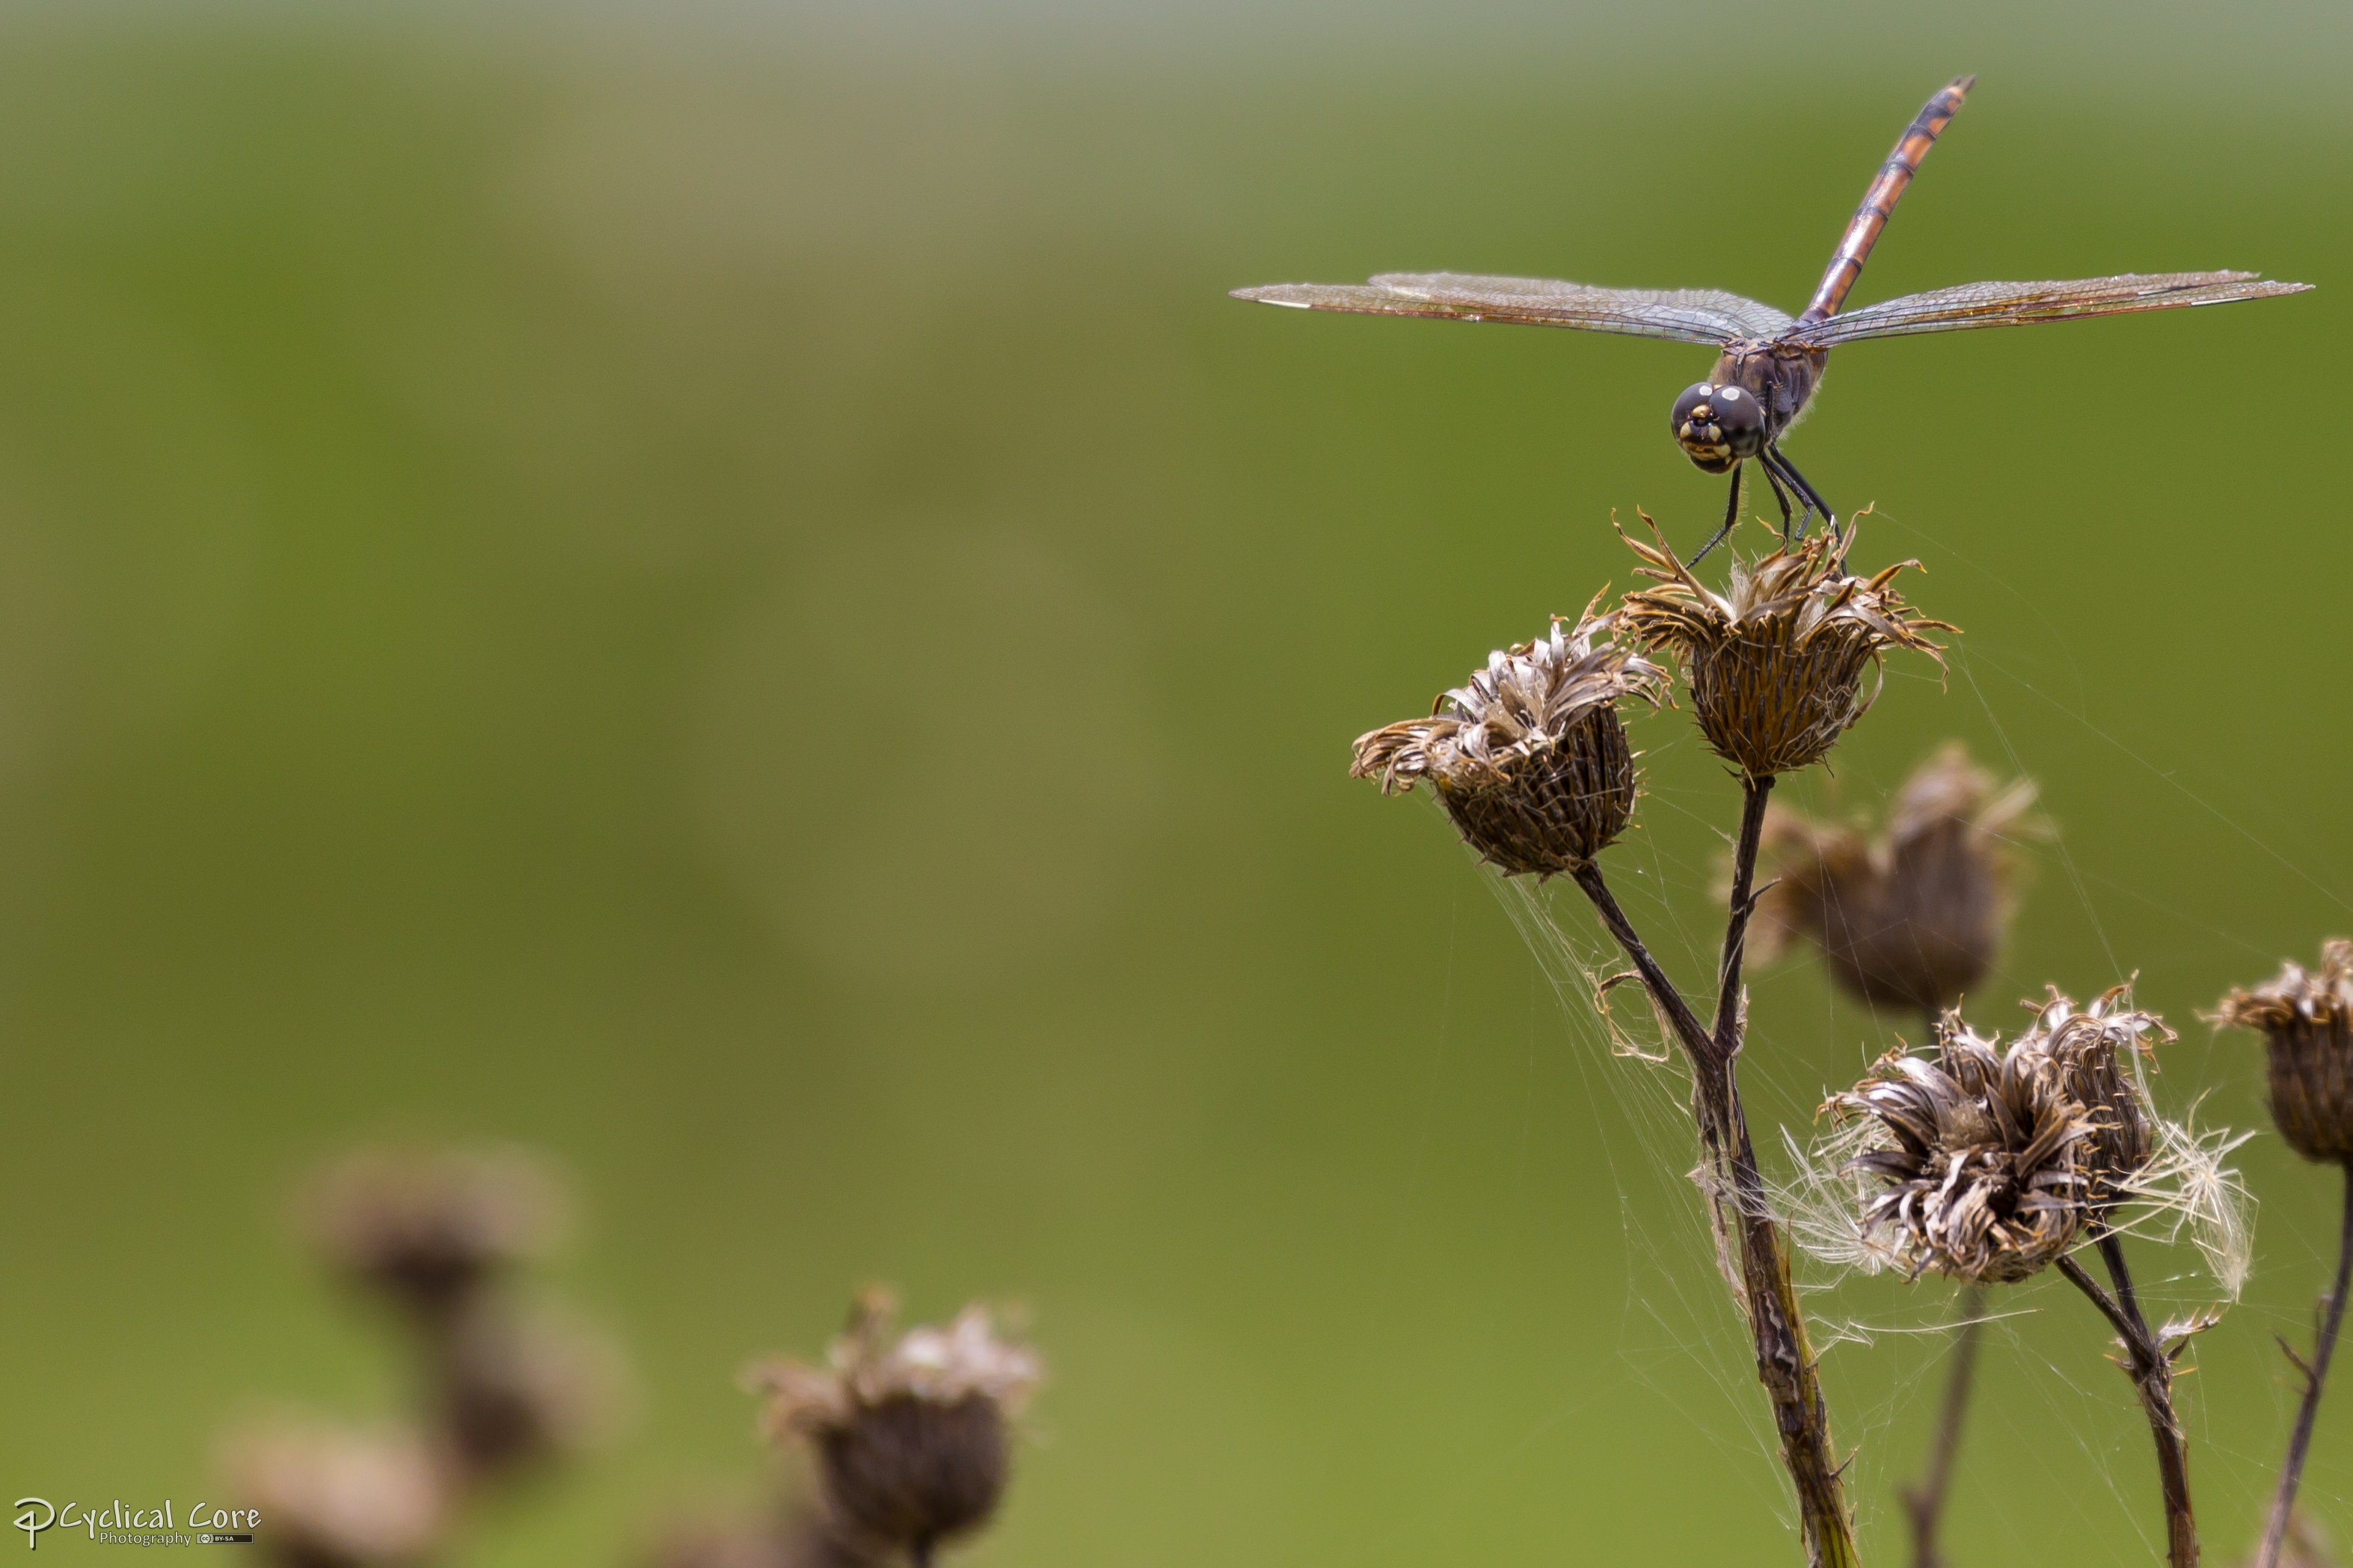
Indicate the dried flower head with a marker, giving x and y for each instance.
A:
(428, 1228)
(2093, 1048)
(2307, 1021)
(519, 1387)
(2173, 1176)
(910, 1432)
(1529, 759)
(1984, 1153)
(1776, 668)
(333, 1495)
(1913, 917)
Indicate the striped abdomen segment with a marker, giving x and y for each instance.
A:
(1878, 202)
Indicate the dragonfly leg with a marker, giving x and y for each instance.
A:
(1774, 479)
(1731, 515)
(1813, 498)
(1776, 466)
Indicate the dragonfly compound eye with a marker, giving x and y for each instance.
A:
(1717, 426)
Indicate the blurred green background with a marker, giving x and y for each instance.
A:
(722, 593)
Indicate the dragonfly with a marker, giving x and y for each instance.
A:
(1770, 363)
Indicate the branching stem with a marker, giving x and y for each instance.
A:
(2316, 1374)
(1785, 1360)
(1670, 1001)
(2151, 1371)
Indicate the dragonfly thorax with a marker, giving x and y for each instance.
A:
(1717, 426)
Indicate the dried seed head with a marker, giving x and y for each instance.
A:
(427, 1229)
(2092, 1047)
(1775, 670)
(333, 1495)
(1914, 917)
(910, 1433)
(1985, 1155)
(2306, 1020)
(519, 1388)
(1529, 759)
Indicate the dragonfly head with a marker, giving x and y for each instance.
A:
(1718, 425)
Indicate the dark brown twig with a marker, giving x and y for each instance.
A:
(1753, 793)
(2316, 1374)
(2152, 1373)
(1785, 1360)
(1678, 1014)
(1924, 1501)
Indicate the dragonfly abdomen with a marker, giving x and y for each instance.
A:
(1879, 201)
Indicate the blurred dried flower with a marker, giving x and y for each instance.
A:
(2090, 1046)
(1776, 668)
(517, 1388)
(2307, 1021)
(428, 1228)
(1529, 759)
(335, 1495)
(910, 1433)
(1914, 917)
(1984, 1154)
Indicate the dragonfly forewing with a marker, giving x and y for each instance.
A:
(1680, 315)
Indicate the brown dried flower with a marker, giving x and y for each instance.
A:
(518, 1388)
(910, 1433)
(2306, 1020)
(1986, 1158)
(1914, 917)
(1776, 668)
(334, 1496)
(428, 1228)
(1529, 759)
(2090, 1046)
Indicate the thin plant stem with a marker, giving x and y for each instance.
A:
(1754, 792)
(2324, 1345)
(1693, 1035)
(1744, 1218)
(1924, 1501)
(2152, 1374)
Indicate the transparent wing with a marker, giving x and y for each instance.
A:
(2025, 304)
(1682, 315)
